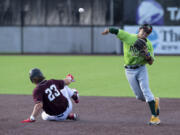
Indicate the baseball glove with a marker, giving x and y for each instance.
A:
(141, 46)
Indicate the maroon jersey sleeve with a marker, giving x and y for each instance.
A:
(59, 83)
(37, 95)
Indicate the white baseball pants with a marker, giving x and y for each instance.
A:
(139, 83)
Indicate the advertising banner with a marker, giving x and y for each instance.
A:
(156, 12)
(165, 39)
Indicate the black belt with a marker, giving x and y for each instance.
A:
(132, 67)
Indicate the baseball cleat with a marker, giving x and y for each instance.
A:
(76, 116)
(154, 120)
(73, 116)
(157, 107)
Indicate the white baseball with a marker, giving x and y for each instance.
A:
(81, 10)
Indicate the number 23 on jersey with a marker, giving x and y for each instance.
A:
(52, 92)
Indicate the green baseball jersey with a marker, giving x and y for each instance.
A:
(131, 55)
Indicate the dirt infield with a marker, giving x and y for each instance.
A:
(98, 116)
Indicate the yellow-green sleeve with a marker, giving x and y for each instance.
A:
(123, 35)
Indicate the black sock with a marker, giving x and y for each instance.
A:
(152, 107)
(157, 112)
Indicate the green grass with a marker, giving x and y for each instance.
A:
(94, 75)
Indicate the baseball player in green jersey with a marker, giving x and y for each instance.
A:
(138, 52)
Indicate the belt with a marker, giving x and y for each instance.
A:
(132, 67)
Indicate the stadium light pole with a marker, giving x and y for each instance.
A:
(92, 28)
(22, 32)
(112, 12)
(23, 11)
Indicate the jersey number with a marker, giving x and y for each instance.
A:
(52, 92)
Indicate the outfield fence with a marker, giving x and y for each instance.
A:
(75, 26)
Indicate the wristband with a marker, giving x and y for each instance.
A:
(113, 30)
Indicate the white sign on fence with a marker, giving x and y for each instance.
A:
(165, 39)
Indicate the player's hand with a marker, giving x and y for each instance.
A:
(105, 32)
(28, 121)
(69, 76)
